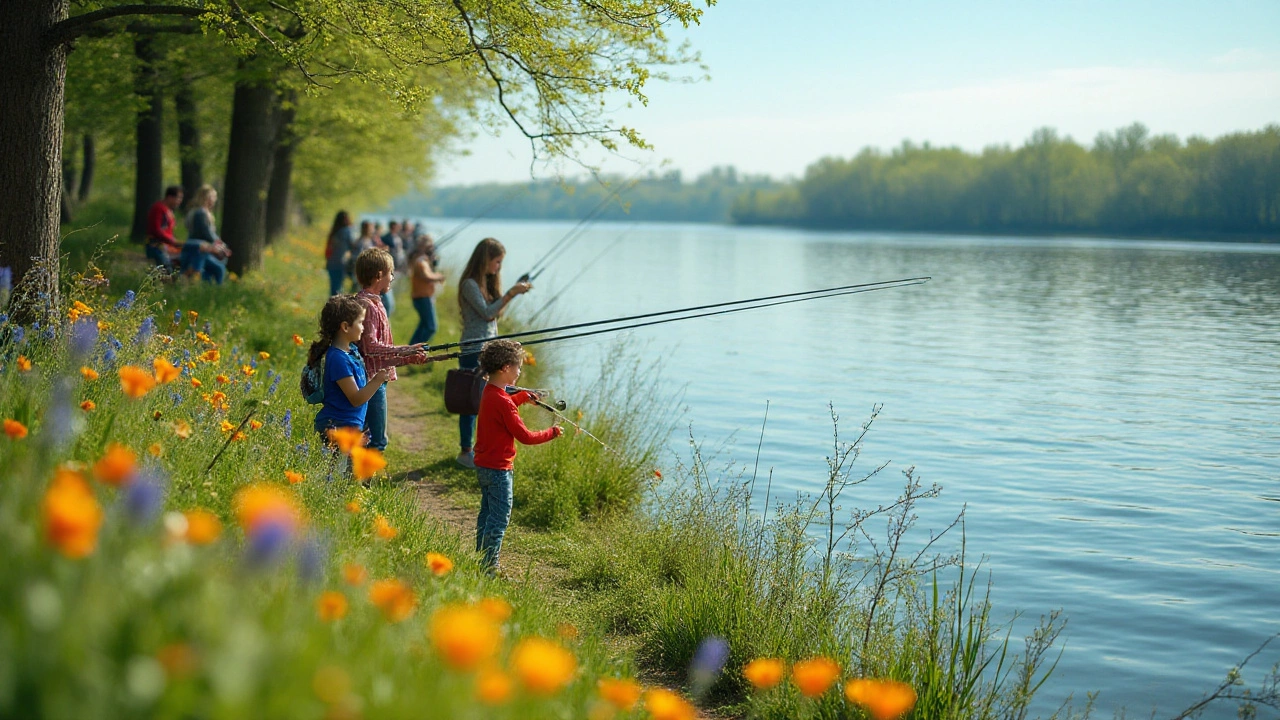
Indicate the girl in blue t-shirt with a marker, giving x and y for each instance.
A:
(346, 389)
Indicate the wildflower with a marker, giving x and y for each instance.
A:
(182, 429)
(238, 437)
(567, 631)
(191, 316)
(383, 529)
(657, 474)
(83, 337)
(135, 381)
(270, 517)
(331, 606)
(294, 477)
(439, 564)
(203, 527)
(496, 608)
(24, 365)
(814, 676)
(157, 415)
(88, 406)
(464, 636)
(227, 426)
(353, 507)
(394, 598)
(311, 559)
(155, 449)
(354, 574)
(177, 316)
(166, 372)
(622, 693)
(178, 659)
(222, 379)
(346, 438)
(529, 359)
(202, 337)
(264, 355)
(663, 704)
(247, 371)
(218, 400)
(116, 466)
(146, 329)
(275, 383)
(18, 333)
(144, 498)
(210, 356)
(543, 666)
(493, 687)
(708, 661)
(14, 429)
(580, 416)
(883, 699)
(287, 422)
(196, 383)
(126, 302)
(72, 515)
(365, 462)
(763, 673)
(257, 425)
(88, 373)
(297, 339)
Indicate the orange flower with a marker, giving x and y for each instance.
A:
(196, 383)
(238, 436)
(622, 693)
(157, 415)
(354, 574)
(182, 429)
(814, 676)
(543, 666)
(218, 400)
(763, 673)
(222, 379)
(464, 636)
(883, 699)
(116, 466)
(255, 424)
(439, 564)
(493, 687)
(293, 477)
(166, 372)
(204, 338)
(211, 355)
(88, 373)
(203, 527)
(297, 339)
(657, 474)
(178, 660)
(191, 316)
(394, 598)
(383, 528)
(259, 505)
(365, 462)
(529, 359)
(331, 606)
(247, 370)
(227, 426)
(72, 515)
(264, 355)
(14, 429)
(663, 704)
(24, 365)
(353, 507)
(88, 406)
(346, 438)
(155, 449)
(135, 381)
(496, 608)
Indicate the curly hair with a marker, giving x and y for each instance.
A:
(497, 354)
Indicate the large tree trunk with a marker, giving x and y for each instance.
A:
(149, 173)
(254, 120)
(279, 194)
(32, 84)
(188, 140)
(86, 171)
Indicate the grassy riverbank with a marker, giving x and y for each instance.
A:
(628, 573)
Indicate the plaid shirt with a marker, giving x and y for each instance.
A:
(375, 343)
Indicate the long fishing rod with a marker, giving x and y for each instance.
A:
(578, 230)
(457, 229)
(560, 406)
(582, 272)
(802, 295)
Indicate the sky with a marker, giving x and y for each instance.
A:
(791, 82)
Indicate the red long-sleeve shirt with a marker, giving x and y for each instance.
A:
(499, 425)
(160, 222)
(375, 343)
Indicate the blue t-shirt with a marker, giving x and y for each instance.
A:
(338, 410)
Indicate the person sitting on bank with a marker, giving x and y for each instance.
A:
(204, 252)
(161, 245)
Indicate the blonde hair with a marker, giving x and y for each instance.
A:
(370, 263)
(201, 198)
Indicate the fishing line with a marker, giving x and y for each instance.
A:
(583, 271)
(578, 230)
(503, 200)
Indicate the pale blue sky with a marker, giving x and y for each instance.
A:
(793, 81)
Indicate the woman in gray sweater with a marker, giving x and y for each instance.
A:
(482, 302)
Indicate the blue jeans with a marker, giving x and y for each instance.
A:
(467, 423)
(389, 301)
(160, 257)
(375, 419)
(336, 276)
(426, 308)
(192, 257)
(214, 270)
(495, 512)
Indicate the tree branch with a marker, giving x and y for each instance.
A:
(73, 27)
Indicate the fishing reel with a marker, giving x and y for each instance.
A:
(540, 393)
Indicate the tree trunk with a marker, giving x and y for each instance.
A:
(188, 140)
(86, 172)
(149, 173)
(279, 200)
(68, 174)
(64, 206)
(254, 120)
(31, 115)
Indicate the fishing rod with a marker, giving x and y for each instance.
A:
(560, 406)
(734, 304)
(578, 230)
(583, 271)
(503, 200)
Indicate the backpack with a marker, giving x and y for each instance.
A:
(312, 383)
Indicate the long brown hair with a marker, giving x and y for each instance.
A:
(340, 309)
(341, 220)
(490, 285)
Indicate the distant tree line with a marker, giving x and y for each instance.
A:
(1128, 182)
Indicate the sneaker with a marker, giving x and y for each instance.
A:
(467, 459)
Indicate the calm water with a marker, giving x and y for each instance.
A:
(1107, 411)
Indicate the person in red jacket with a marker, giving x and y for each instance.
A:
(161, 245)
(498, 427)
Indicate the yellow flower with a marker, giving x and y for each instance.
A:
(496, 608)
(663, 704)
(365, 462)
(622, 693)
(166, 372)
(155, 449)
(294, 477)
(331, 606)
(116, 466)
(196, 383)
(238, 436)
(222, 379)
(529, 359)
(354, 574)
(192, 315)
(464, 636)
(255, 424)
(24, 365)
(204, 338)
(203, 527)
(815, 676)
(439, 564)
(346, 438)
(14, 429)
(72, 515)
(88, 373)
(211, 355)
(383, 529)
(88, 406)
(135, 381)
(763, 673)
(247, 370)
(353, 507)
(103, 326)
(182, 429)
(883, 699)
(227, 426)
(543, 666)
(493, 687)
(394, 598)
(264, 355)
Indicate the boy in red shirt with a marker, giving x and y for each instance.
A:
(498, 426)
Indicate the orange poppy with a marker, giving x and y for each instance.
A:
(815, 676)
(14, 429)
(763, 673)
(883, 699)
(331, 606)
(543, 666)
(365, 462)
(135, 381)
(72, 515)
(464, 636)
(439, 564)
(394, 598)
(116, 466)
(166, 372)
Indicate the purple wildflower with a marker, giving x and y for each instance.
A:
(311, 559)
(6, 279)
(707, 663)
(268, 541)
(177, 317)
(145, 330)
(287, 422)
(84, 335)
(274, 384)
(143, 498)
(126, 302)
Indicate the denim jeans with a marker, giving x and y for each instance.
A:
(375, 419)
(389, 301)
(467, 423)
(495, 512)
(160, 257)
(336, 276)
(426, 308)
(214, 270)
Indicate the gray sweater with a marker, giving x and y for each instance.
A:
(479, 316)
